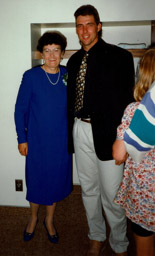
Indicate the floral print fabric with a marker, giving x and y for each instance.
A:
(137, 190)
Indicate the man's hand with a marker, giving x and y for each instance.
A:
(119, 152)
(23, 149)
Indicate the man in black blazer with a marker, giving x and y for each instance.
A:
(108, 84)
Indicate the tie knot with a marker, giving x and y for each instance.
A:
(84, 59)
(86, 55)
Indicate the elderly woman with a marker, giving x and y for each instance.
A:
(41, 125)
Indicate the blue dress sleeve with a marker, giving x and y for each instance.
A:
(22, 107)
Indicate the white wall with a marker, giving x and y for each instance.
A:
(15, 44)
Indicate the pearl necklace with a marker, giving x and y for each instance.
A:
(50, 79)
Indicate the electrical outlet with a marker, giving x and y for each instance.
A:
(19, 185)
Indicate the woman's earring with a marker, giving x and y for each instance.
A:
(43, 61)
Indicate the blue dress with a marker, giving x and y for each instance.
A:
(41, 120)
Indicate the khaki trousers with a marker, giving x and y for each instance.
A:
(100, 181)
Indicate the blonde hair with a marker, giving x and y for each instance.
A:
(146, 74)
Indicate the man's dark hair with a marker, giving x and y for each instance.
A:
(88, 10)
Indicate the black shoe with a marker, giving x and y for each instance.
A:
(52, 238)
(29, 236)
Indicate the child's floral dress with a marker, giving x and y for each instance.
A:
(137, 190)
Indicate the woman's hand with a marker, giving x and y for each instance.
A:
(119, 152)
(23, 148)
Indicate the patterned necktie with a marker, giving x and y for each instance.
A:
(80, 84)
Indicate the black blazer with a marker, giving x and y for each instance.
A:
(110, 78)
